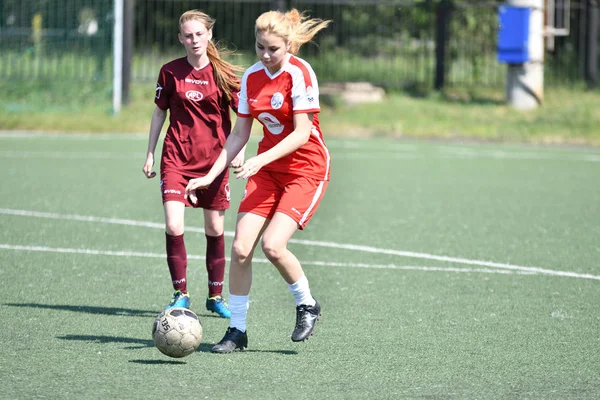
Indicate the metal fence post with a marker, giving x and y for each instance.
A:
(117, 56)
(280, 5)
(591, 65)
(128, 27)
(441, 41)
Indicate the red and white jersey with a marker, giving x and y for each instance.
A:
(199, 117)
(273, 100)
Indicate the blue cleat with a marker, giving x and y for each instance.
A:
(218, 305)
(179, 300)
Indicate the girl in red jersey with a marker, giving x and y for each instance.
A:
(286, 179)
(198, 90)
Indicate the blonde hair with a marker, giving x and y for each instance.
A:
(294, 27)
(225, 73)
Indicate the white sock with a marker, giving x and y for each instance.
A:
(238, 306)
(301, 292)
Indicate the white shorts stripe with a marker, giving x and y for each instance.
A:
(312, 204)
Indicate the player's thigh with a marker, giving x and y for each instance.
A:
(249, 228)
(174, 217)
(278, 232)
(214, 222)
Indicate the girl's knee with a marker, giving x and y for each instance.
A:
(273, 249)
(240, 251)
(174, 229)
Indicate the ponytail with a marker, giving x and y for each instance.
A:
(225, 73)
(293, 26)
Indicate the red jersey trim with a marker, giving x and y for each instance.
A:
(312, 110)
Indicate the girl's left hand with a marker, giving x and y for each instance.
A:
(250, 167)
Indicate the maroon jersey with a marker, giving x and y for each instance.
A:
(199, 118)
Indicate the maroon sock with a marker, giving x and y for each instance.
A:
(177, 261)
(215, 264)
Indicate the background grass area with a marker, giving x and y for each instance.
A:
(444, 270)
(568, 115)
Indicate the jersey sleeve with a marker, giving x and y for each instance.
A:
(243, 110)
(161, 96)
(305, 91)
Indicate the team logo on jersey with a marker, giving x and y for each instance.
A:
(196, 81)
(309, 94)
(194, 95)
(271, 123)
(158, 91)
(277, 101)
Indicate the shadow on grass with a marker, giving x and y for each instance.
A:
(282, 352)
(481, 96)
(110, 339)
(144, 343)
(89, 309)
(157, 362)
(473, 98)
(101, 310)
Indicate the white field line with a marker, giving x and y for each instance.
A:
(518, 155)
(352, 247)
(25, 135)
(452, 154)
(259, 260)
(391, 151)
(75, 155)
(360, 144)
(369, 156)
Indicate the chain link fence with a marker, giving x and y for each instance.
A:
(388, 43)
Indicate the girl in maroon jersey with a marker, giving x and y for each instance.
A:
(198, 90)
(288, 177)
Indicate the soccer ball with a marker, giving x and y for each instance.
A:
(177, 332)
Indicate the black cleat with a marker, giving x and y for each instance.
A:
(233, 339)
(306, 317)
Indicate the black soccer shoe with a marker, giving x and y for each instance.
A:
(233, 339)
(306, 318)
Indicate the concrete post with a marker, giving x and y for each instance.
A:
(525, 82)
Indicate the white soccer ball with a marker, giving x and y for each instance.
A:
(177, 332)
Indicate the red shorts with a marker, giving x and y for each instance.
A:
(215, 197)
(296, 196)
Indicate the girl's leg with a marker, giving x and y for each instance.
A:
(274, 245)
(176, 252)
(247, 232)
(214, 221)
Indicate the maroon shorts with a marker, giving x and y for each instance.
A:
(215, 197)
(296, 196)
